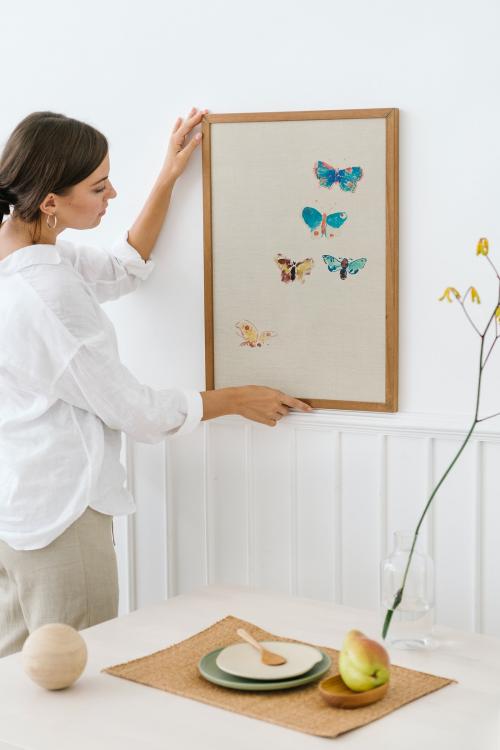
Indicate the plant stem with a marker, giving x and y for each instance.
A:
(399, 594)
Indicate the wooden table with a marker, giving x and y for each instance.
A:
(101, 711)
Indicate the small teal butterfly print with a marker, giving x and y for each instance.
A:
(314, 219)
(347, 178)
(344, 265)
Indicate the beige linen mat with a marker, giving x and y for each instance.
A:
(175, 670)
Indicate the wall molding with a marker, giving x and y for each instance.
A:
(409, 424)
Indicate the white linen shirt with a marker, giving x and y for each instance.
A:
(65, 394)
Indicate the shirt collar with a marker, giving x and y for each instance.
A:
(30, 255)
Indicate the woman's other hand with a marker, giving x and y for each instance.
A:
(180, 147)
(255, 402)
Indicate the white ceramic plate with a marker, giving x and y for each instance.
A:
(243, 660)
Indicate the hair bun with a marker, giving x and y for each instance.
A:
(6, 200)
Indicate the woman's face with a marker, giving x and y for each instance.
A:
(84, 206)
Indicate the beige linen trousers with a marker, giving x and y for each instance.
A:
(73, 580)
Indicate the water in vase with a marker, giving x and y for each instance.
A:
(413, 620)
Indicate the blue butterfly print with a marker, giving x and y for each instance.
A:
(344, 265)
(314, 219)
(347, 178)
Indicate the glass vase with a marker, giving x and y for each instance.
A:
(413, 620)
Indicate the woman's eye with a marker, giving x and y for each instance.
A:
(99, 190)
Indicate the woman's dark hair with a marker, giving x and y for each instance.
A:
(46, 152)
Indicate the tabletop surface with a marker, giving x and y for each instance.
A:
(102, 711)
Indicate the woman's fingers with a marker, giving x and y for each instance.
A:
(282, 408)
(177, 125)
(180, 147)
(265, 405)
(295, 402)
(191, 145)
(191, 121)
(282, 411)
(183, 127)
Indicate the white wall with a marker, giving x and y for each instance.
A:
(130, 69)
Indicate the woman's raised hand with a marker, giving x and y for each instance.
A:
(180, 147)
(256, 402)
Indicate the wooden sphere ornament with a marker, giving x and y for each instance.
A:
(54, 656)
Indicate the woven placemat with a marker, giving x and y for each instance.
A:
(175, 670)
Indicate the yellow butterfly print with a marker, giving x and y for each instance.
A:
(292, 269)
(250, 334)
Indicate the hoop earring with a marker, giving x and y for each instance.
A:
(55, 222)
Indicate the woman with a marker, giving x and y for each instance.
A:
(66, 397)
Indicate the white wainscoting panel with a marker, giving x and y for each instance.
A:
(316, 516)
(408, 467)
(227, 504)
(272, 519)
(188, 482)
(454, 536)
(310, 508)
(488, 547)
(361, 519)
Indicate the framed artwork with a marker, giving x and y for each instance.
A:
(301, 254)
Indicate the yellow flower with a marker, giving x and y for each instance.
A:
(482, 247)
(497, 313)
(474, 295)
(450, 290)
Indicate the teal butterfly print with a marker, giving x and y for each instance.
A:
(347, 178)
(318, 222)
(344, 265)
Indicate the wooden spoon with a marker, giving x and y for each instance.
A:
(267, 657)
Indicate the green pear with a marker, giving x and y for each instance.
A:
(363, 663)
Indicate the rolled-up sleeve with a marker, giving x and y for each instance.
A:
(97, 381)
(109, 273)
(130, 258)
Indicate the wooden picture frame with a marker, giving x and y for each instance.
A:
(256, 169)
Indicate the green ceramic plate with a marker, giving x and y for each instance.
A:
(211, 672)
